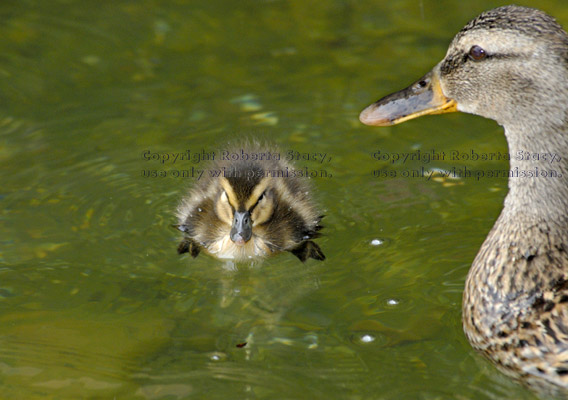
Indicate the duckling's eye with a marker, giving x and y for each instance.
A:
(476, 53)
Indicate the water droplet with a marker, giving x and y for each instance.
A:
(217, 356)
(367, 338)
(376, 242)
(312, 339)
(392, 302)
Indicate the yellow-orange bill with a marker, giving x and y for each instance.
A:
(421, 98)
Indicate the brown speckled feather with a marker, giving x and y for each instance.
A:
(515, 308)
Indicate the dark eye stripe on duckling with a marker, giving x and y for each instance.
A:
(256, 194)
(236, 199)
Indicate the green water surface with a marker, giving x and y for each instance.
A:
(95, 303)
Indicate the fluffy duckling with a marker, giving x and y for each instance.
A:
(255, 207)
(510, 64)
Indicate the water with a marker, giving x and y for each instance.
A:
(95, 302)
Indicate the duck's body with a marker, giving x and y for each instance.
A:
(515, 305)
(510, 64)
(249, 208)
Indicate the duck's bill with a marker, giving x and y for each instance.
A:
(421, 98)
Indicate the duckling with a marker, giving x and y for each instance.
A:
(510, 64)
(255, 207)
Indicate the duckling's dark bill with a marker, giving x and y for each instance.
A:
(241, 231)
(421, 98)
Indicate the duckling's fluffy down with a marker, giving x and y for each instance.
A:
(255, 180)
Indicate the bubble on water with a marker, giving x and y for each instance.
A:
(392, 302)
(217, 356)
(366, 338)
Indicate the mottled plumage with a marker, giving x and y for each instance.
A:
(510, 64)
(248, 206)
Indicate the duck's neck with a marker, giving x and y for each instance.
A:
(538, 180)
(526, 252)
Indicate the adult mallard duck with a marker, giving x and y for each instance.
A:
(510, 64)
(250, 203)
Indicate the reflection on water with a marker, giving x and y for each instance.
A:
(94, 300)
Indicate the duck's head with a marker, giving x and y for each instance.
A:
(509, 64)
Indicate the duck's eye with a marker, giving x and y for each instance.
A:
(476, 53)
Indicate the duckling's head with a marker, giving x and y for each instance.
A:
(245, 201)
(509, 64)
(249, 210)
(227, 215)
